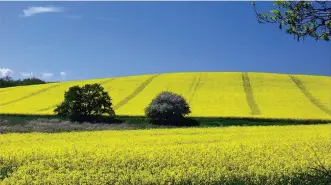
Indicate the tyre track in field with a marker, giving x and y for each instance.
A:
(30, 95)
(311, 97)
(47, 108)
(249, 94)
(192, 85)
(54, 106)
(5, 90)
(107, 81)
(135, 92)
(195, 87)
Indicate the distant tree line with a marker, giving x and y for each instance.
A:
(10, 82)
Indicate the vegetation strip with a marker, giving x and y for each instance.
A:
(249, 94)
(30, 95)
(311, 98)
(197, 84)
(204, 121)
(54, 106)
(135, 92)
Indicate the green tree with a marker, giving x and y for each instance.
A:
(300, 18)
(167, 107)
(87, 103)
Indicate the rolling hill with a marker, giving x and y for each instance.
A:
(210, 94)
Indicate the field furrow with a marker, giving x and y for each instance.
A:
(135, 92)
(192, 85)
(210, 94)
(220, 94)
(319, 87)
(311, 98)
(197, 85)
(42, 101)
(50, 108)
(106, 81)
(194, 88)
(250, 95)
(175, 82)
(30, 95)
(6, 89)
(279, 97)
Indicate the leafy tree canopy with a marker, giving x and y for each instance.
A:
(87, 103)
(300, 18)
(167, 107)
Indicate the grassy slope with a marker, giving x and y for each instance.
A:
(210, 94)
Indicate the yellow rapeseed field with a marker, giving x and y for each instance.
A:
(319, 86)
(278, 96)
(232, 155)
(210, 94)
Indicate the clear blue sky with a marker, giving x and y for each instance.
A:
(106, 39)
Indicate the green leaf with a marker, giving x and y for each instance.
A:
(328, 23)
(278, 2)
(275, 11)
(324, 36)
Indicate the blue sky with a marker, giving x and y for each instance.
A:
(85, 40)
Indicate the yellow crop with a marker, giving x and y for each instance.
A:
(250, 155)
(319, 86)
(210, 94)
(279, 96)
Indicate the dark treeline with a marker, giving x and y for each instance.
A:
(9, 82)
